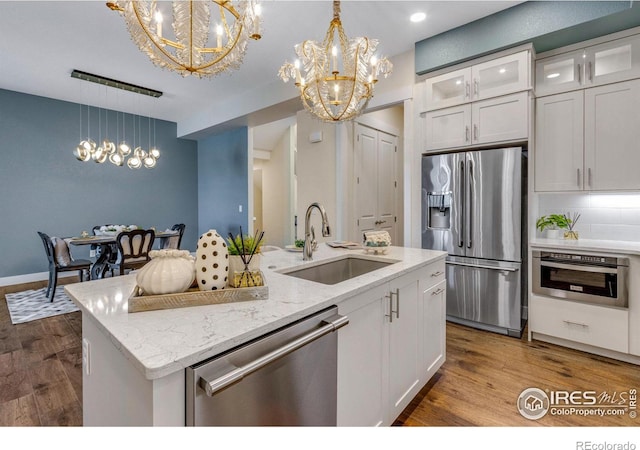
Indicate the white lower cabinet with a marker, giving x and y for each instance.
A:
(391, 346)
(599, 326)
(434, 313)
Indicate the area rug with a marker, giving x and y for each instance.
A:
(33, 305)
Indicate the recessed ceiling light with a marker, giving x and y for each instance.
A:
(502, 70)
(418, 17)
(553, 75)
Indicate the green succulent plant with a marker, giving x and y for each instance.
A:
(248, 245)
(552, 221)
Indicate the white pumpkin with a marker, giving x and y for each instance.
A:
(169, 271)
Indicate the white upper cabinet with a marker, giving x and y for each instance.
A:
(609, 62)
(611, 124)
(587, 140)
(499, 119)
(489, 79)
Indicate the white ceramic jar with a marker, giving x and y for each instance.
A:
(168, 272)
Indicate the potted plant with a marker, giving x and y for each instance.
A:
(553, 225)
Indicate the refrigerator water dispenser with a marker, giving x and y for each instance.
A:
(439, 210)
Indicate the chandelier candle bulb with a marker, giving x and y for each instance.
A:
(334, 54)
(219, 37)
(158, 17)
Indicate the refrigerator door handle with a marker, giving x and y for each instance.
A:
(470, 206)
(480, 266)
(460, 203)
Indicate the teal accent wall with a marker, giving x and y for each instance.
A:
(546, 24)
(223, 182)
(43, 187)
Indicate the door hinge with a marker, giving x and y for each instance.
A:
(395, 219)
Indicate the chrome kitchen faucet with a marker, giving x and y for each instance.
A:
(309, 234)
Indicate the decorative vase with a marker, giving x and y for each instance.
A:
(239, 277)
(168, 272)
(212, 262)
(571, 235)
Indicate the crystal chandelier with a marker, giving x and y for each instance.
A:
(340, 73)
(205, 38)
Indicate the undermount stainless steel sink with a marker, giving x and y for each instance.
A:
(339, 270)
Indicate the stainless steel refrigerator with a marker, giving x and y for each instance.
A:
(474, 208)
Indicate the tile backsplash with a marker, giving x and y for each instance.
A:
(602, 216)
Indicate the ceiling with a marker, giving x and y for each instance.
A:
(41, 42)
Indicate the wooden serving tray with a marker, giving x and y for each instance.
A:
(194, 297)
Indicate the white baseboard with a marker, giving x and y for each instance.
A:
(31, 277)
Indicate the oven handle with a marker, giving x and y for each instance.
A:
(595, 269)
(330, 324)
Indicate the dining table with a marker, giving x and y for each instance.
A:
(106, 244)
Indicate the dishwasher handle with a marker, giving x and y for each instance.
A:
(331, 324)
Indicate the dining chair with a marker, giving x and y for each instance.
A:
(173, 241)
(133, 250)
(60, 260)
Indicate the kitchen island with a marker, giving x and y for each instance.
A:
(134, 363)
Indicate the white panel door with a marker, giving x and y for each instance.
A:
(558, 152)
(375, 162)
(612, 121)
(366, 174)
(387, 184)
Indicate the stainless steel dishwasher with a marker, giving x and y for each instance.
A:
(287, 377)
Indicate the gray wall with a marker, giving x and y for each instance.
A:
(44, 188)
(547, 24)
(222, 182)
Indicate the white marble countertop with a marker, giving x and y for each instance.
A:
(590, 245)
(162, 342)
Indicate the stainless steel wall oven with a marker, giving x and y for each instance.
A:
(588, 278)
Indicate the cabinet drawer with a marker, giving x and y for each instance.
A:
(588, 324)
(433, 274)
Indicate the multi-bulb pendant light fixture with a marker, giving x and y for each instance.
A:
(206, 37)
(339, 73)
(89, 150)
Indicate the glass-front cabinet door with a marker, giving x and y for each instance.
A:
(560, 73)
(449, 89)
(613, 61)
(501, 76)
(609, 62)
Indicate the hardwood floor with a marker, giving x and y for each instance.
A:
(40, 368)
(479, 384)
(484, 374)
